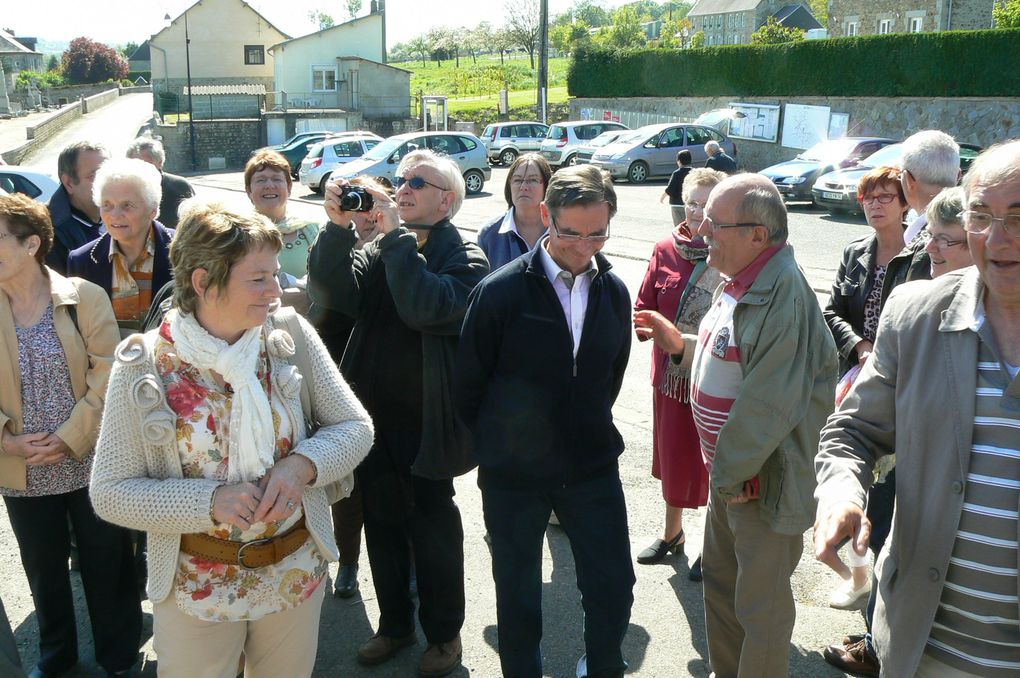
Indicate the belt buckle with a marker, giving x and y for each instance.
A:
(240, 551)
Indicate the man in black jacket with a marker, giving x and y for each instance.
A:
(541, 361)
(407, 292)
(175, 189)
(74, 215)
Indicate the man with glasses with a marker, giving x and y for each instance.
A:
(941, 391)
(541, 361)
(407, 292)
(762, 383)
(931, 162)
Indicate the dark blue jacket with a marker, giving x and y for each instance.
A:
(500, 248)
(92, 260)
(539, 416)
(68, 232)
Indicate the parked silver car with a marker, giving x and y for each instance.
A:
(465, 149)
(506, 140)
(324, 157)
(565, 138)
(651, 150)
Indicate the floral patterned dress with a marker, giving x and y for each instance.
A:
(214, 591)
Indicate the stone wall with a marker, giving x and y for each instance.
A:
(52, 95)
(969, 15)
(52, 124)
(219, 144)
(97, 101)
(982, 121)
(966, 15)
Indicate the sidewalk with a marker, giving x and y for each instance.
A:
(12, 132)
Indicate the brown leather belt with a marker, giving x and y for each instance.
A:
(249, 555)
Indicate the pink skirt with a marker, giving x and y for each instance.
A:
(676, 454)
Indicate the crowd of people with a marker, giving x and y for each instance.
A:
(206, 406)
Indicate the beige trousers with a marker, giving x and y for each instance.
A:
(749, 608)
(933, 668)
(280, 644)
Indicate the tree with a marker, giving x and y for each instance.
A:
(477, 40)
(323, 20)
(820, 10)
(674, 33)
(503, 42)
(522, 25)
(87, 61)
(590, 12)
(353, 7)
(773, 33)
(698, 40)
(128, 49)
(53, 64)
(567, 38)
(1006, 14)
(419, 45)
(626, 30)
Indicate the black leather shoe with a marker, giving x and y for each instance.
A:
(346, 581)
(695, 573)
(659, 548)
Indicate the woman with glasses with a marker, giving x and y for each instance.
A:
(947, 248)
(515, 232)
(870, 269)
(678, 278)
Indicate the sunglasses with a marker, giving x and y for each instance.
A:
(416, 183)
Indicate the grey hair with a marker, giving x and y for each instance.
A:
(580, 185)
(702, 176)
(447, 168)
(711, 146)
(764, 205)
(140, 174)
(147, 144)
(67, 162)
(997, 165)
(944, 209)
(932, 157)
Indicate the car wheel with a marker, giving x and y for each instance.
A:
(570, 161)
(473, 182)
(507, 157)
(321, 189)
(638, 173)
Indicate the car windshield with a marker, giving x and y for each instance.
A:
(384, 149)
(630, 137)
(605, 139)
(828, 152)
(890, 156)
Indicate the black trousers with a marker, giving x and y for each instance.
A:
(107, 575)
(429, 532)
(348, 520)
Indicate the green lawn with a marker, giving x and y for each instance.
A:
(557, 95)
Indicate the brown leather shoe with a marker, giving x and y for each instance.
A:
(440, 659)
(379, 648)
(853, 638)
(854, 658)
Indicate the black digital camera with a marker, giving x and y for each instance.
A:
(355, 199)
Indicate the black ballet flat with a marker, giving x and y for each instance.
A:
(659, 548)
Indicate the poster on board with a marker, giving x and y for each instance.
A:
(804, 126)
(757, 122)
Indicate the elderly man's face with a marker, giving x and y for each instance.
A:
(426, 205)
(997, 253)
(730, 250)
(148, 157)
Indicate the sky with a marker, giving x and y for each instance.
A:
(118, 22)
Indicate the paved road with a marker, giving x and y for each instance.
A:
(666, 636)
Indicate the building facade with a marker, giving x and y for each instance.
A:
(731, 22)
(848, 18)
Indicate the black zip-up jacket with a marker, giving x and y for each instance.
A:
(539, 416)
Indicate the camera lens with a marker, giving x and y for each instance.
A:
(356, 199)
(350, 202)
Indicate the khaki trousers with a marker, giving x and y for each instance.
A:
(749, 608)
(933, 668)
(280, 644)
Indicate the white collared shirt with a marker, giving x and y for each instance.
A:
(509, 225)
(915, 227)
(570, 290)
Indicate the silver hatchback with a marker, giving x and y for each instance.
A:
(565, 138)
(506, 140)
(651, 150)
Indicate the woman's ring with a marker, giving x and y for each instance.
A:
(290, 504)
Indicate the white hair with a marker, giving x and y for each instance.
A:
(142, 175)
(447, 168)
(147, 144)
(711, 147)
(997, 165)
(932, 157)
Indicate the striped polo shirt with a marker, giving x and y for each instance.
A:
(977, 625)
(716, 374)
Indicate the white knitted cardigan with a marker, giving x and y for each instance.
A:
(137, 480)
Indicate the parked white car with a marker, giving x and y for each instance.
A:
(34, 184)
(327, 155)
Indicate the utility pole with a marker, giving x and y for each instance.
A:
(191, 110)
(543, 62)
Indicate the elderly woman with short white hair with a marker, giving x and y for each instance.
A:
(204, 445)
(131, 260)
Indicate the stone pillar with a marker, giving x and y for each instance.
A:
(5, 102)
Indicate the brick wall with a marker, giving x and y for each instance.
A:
(219, 144)
(982, 121)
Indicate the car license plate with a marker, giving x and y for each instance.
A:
(832, 196)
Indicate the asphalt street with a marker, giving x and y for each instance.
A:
(666, 636)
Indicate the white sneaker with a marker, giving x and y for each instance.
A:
(846, 597)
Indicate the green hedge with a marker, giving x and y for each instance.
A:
(949, 64)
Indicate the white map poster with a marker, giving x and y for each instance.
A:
(804, 126)
(758, 122)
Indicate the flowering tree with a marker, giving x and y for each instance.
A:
(87, 61)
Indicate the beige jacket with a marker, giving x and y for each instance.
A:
(915, 396)
(137, 478)
(89, 351)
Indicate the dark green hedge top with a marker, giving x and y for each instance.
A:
(949, 64)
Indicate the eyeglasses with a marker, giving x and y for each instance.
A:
(531, 183)
(881, 198)
(979, 223)
(943, 242)
(715, 227)
(694, 206)
(416, 183)
(574, 237)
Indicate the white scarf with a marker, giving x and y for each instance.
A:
(251, 440)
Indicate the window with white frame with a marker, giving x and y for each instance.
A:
(323, 78)
(915, 24)
(851, 28)
(884, 26)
